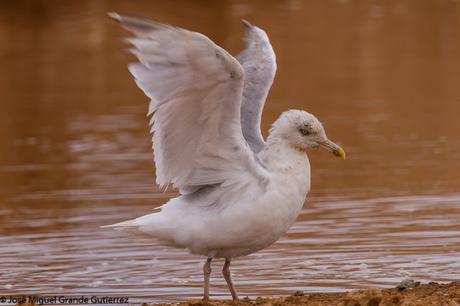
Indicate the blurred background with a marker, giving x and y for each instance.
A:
(382, 76)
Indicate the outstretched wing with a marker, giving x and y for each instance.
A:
(259, 65)
(195, 89)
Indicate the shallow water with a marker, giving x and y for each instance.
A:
(75, 150)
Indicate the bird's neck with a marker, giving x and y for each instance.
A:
(278, 155)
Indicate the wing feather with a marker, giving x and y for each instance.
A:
(195, 89)
(259, 64)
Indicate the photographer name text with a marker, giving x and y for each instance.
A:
(63, 300)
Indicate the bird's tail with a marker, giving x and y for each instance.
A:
(130, 226)
(121, 225)
(144, 225)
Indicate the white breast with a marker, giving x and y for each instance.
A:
(289, 186)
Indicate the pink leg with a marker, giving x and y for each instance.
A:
(228, 278)
(207, 274)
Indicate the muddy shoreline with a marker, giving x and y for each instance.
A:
(406, 294)
(432, 294)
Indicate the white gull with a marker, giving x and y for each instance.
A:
(238, 192)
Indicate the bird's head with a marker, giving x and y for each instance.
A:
(303, 131)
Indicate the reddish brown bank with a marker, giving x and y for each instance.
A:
(424, 295)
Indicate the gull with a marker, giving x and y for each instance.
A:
(238, 193)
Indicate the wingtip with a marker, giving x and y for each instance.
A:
(246, 23)
(114, 16)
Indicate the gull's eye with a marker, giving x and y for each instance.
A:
(305, 131)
